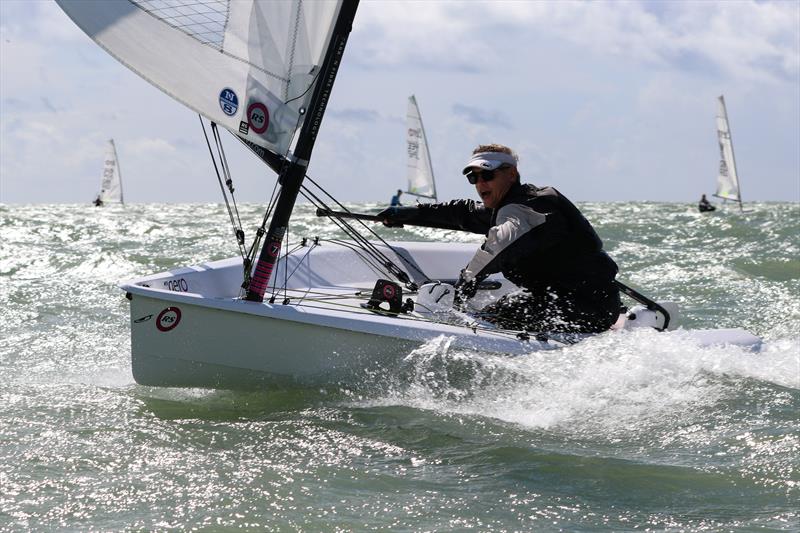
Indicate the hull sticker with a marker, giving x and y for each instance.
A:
(176, 285)
(168, 319)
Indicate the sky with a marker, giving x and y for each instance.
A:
(607, 101)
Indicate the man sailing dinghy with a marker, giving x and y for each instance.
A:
(264, 71)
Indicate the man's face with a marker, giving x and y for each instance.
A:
(492, 192)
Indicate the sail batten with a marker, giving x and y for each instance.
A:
(247, 65)
(727, 177)
(419, 168)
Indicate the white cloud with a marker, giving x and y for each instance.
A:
(149, 147)
(747, 39)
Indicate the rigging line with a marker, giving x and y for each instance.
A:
(372, 262)
(299, 263)
(222, 188)
(226, 169)
(474, 326)
(403, 259)
(355, 235)
(285, 263)
(360, 241)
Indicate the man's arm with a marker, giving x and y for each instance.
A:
(460, 215)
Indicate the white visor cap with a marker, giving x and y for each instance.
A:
(489, 161)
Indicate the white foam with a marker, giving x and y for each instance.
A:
(611, 381)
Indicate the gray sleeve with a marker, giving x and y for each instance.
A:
(513, 221)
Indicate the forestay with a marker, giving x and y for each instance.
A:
(249, 66)
(111, 186)
(727, 179)
(420, 171)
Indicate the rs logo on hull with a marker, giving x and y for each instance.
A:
(168, 319)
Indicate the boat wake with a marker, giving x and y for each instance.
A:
(612, 381)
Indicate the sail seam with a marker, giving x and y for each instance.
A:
(293, 47)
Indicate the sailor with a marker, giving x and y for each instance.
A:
(537, 238)
(396, 198)
(97, 201)
(705, 205)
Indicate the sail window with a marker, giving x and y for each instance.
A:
(203, 20)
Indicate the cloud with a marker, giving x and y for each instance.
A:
(149, 147)
(356, 115)
(478, 116)
(748, 40)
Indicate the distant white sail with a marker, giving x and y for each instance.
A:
(247, 65)
(111, 186)
(727, 179)
(420, 171)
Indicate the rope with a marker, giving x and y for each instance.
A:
(237, 228)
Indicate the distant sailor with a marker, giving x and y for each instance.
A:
(396, 199)
(97, 201)
(537, 238)
(705, 205)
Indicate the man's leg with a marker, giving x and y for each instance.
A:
(549, 310)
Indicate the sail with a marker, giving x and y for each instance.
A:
(111, 186)
(247, 65)
(727, 179)
(419, 169)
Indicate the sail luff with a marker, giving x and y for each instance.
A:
(427, 153)
(727, 179)
(119, 173)
(733, 157)
(291, 178)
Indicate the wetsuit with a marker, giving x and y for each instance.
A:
(541, 242)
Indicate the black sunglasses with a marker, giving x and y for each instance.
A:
(486, 175)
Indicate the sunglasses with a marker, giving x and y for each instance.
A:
(486, 175)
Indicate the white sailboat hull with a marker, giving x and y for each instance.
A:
(189, 328)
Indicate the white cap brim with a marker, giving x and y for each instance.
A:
(489, 161)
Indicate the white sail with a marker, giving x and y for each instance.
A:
(111, 186)
(727, 179)
(420, 171)
(247, 65)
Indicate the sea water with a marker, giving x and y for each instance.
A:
(620, 432)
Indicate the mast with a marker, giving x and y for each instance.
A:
(292, 175)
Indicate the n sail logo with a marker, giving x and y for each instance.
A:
(228, 101)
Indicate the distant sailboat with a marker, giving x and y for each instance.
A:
(420, 171)
(727, 179)
(111, 186)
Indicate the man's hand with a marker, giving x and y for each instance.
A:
(465, 289)
(395, 216)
